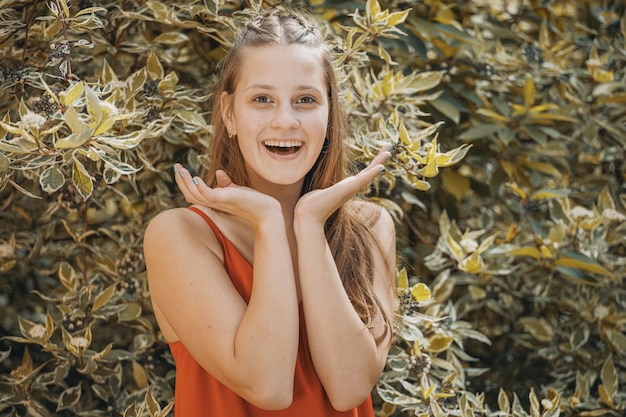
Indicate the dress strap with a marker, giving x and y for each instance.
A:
(218, 233)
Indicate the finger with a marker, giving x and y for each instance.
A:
(223, 180)
(187, 185)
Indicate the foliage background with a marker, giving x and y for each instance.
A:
(512, 266)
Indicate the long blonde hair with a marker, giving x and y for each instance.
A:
(348, 230)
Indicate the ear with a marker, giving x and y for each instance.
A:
(226, 103)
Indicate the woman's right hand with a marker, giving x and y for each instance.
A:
(228, 197)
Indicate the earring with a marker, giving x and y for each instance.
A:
(230, 135)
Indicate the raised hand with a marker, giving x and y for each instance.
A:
(318, 205)
(240, 201)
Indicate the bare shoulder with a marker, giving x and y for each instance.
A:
(383, 224)
(178, 229)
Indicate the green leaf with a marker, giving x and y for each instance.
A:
(68, 276)
(448, 108)
(110, 175)
(540, 329)
(172, 37)
(115, 164)
(127, 141)
(609, 377)
(51, 179)
(426, 80)
(4, 163)
(82, 180)
(212, 6)
(135, 83)
(69, 397)
(128, 312)
(103, 298)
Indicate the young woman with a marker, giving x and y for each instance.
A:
(275, 288)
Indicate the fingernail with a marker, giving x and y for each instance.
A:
(195, 181)
(382, 169)
(180, 173)
(389, 156)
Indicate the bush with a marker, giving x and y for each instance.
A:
(512, 259)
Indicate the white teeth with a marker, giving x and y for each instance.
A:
(283, 144)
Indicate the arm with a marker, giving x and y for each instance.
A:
(346, 357)
(250, 348)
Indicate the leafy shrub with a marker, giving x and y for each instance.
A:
(520, 241)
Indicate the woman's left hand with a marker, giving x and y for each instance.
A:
(318, 205)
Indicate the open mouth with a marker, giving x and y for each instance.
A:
(283, 147)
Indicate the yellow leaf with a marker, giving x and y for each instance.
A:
(403, 134)
(529, 91)
(602, 76)
(430, 170)
(492, 115)
(73, 121)
(82, 180)
(605, 200)
(584, 265)
(453, 156)
(420, 292)
(540, 329)
(403, 280)
(93, 106)
(544, 168)
(604, 396)
(396, 18)
(168, 83)
(66, 10)
(139, 375)
(615, 99)
(71, 94)
(12, 129)
(74, 140)
(477, 293)
(473, 264)
(543, 108)
(419, 184)
(456, 249)
(455, 183)
(439, 343)
(545, 194)
(518, 110)
(154, 67)
(373, 8)
(517, 190)
(531, 251)
(546, 252)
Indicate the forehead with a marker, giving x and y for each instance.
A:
(285, 65)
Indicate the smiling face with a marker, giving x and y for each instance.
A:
(278, 112)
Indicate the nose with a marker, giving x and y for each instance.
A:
(285, 117)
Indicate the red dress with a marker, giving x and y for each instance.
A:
(198, 394)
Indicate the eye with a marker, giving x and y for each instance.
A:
(262, 99)
(306, 100)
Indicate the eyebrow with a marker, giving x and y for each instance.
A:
(270, 87)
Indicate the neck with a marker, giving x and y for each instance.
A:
(286, 195)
